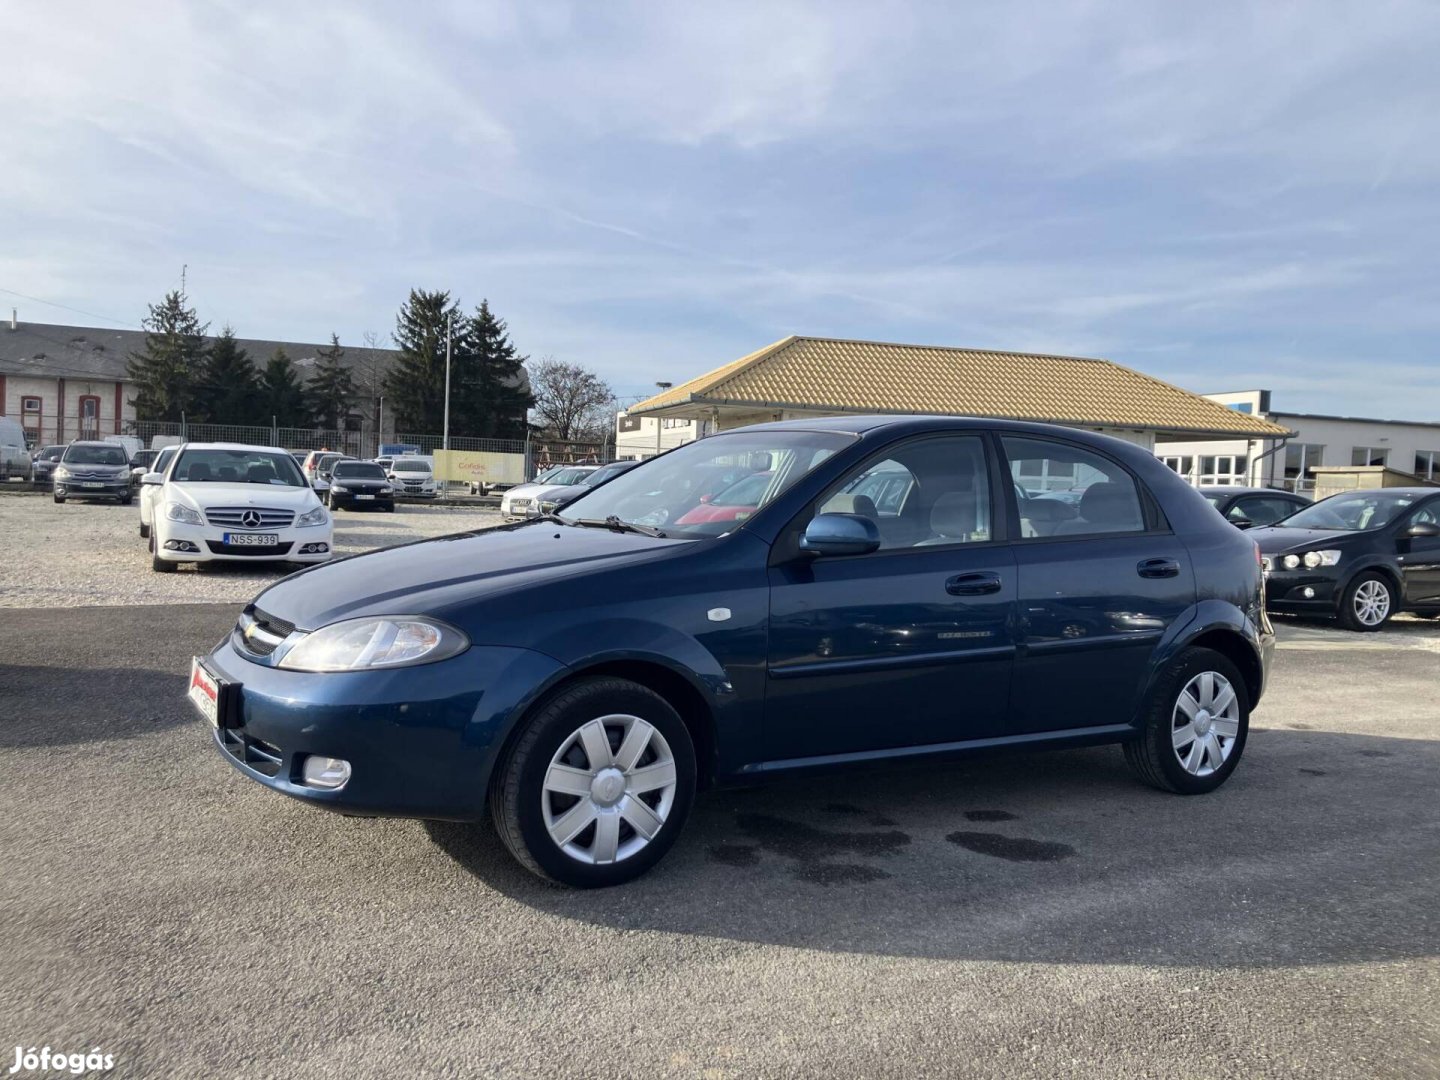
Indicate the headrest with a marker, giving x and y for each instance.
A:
(1047, 510)
(199, 471)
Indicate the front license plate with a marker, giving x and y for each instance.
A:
(205, 691)
(364, 496)
(252, 539)
(92, 484)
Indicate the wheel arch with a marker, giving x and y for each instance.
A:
(1238, 650)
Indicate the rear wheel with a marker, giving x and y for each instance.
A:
(1193, 728)
(1367, 603)
(597, 785)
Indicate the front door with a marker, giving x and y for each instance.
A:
(1100, 581)
(1419, 558)
(910, 645)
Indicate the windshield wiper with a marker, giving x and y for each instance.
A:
(620, 525)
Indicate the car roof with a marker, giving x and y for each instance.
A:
(234, 446)
(1414, 492)
(1224, 489)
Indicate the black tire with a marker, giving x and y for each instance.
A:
(159, 565)
(1154, 757)
(390, 509)
(1347, 612)
(59, 498)
(144, 531)
(517, 788)
(125, 500)
(330, 503)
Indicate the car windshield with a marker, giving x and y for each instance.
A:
(1352, 512)
(326, 463)
(50, 453)
(567, 477)
(355, 470)
(661, 492)
(1215, 500)
(412, 465)
(237, 467)
(79, 454)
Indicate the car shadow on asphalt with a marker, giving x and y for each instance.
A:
(1319, 850)
(39, 708)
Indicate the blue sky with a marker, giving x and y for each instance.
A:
(1226, 195)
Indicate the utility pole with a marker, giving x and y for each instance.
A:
(449, 336)
(658, 425)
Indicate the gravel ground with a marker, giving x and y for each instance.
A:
(86, 553)
(1030, 916)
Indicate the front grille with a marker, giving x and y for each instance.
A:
(265, 758)
(519, 504)
(258, 551)
(261, 634)
(229, 517)
(108, 477)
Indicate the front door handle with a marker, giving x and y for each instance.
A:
(973, 584)
(1158, 568)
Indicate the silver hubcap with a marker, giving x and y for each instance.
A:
(1205, 722)
(1372, 602)
(608, 790)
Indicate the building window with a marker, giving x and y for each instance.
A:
(1427, 464)
(1223, 469)
(1369, 455)
(1300, 462)
(89, 416)
(1183, 464)
(677, 423)
(30, 417)
(1242, 406)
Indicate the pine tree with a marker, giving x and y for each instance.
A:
(227, 389)
(165, 370)
(281, 394)
(488, 393)
(416, 383)
(330, 387)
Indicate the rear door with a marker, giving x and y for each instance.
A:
(912, 644)
(1096, 592)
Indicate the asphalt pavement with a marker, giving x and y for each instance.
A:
(1039, 915)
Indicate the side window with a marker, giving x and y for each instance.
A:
(1071, 491)
(1263, 510)
(1429, 514)
(928, 493)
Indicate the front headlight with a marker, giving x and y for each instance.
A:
(363, 644)
(311, 517)
(338, 490)
(62, 473)
(180, 512)
(384, 491)
(1290, 562)
(1313, 559)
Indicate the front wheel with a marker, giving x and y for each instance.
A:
(59, 498)
(597, 785)
(1193, 726)
(144, 531)
(1367, 603)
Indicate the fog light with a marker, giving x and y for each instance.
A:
(325, 772)
(314, 549)
(1291, 561)
(180, 545)
(1308, 593)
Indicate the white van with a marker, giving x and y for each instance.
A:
(14, 455)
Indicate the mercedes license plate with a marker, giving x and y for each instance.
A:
(252, 539)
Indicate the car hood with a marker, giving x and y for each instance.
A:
(203, 494)
(431, 577)
(1278, 540)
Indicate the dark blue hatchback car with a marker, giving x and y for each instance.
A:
(891, 588)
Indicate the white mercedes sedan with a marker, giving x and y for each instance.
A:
(225, 501)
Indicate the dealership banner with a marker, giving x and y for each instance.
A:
(479, 467)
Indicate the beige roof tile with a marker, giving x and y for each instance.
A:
(835, 375)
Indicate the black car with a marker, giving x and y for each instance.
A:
(1247, 507)
(1361, 556)
(564, 496)
(578, 678)
(360, 485)
(43, 465)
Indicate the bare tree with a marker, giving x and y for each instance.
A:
(572, 403)
(368, 368)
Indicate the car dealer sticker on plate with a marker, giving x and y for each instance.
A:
(205, 692)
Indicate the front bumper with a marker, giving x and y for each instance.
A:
(353, 501)
(108, 489)
(206, 543)
(1301, 591)
(420, 741)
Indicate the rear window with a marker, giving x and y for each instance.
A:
(357, 470)
(80, 454)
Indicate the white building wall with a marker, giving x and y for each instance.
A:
(60, 421)
(652, 435)
(1330, 441)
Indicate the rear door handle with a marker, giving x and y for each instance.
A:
(1158, 568)
(973, 584)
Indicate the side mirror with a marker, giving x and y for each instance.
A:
(1242, 523)
(153, 478)
(1423, 528)
(706, 498)
(840, 534)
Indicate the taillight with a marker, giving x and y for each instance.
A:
(1259, 561)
